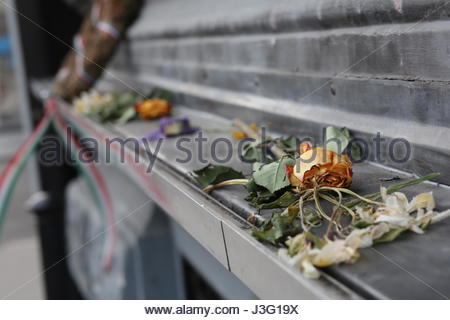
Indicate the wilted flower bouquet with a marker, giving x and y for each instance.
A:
(323, 222)
(122, 107)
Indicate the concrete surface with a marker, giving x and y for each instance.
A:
(371, 66)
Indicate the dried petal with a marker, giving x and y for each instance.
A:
(303, 147)
(363, 238)
(423, 200)
(301, 261)
(296, 244)
(379, 230)
(91, 102)
(319, 166)
(395, 221)
(398, 202)
(383, 193)
(416, 229)
(365, 214)
(441, 216)
(334, 252)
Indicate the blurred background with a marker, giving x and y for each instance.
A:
(40, 256)
(19, 245)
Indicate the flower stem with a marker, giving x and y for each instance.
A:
(394, 188)
(226, 183)
(301, 213)
(336, 213)
(350, 192)
(319, 207)
(333, 201)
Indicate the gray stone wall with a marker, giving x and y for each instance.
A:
(373, 66)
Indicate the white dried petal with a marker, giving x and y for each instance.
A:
(440, 216)
(308, 269)
(397, 201)
(383, 193)
(379, 230)
(301, 261)
(395, 221)
(423, 220)
(422, 201)
(363, 238)
(365, 214)
(335, 252)
(91, 102)
(416, 229)
(359, 238)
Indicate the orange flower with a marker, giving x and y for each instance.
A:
(321, 167)
(153, 108)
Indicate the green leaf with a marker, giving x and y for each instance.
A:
(337, 139)
(296, 244)
(212, 174)
(287, 199)
(117, 108)
(259, 195)
(252, 187)
(389, 236)
(256, 151)
(356, 152)
(126, 100)
(166, 95)
(128, 115)
(319, 243)
(288, 145)
(278, 228)
(360, 224)
(291, 142)
(158, 93)
(311, 217)
(272, 176)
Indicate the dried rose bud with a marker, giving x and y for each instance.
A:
(321, 167)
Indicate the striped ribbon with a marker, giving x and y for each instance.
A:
(137, 169)
(95, 183)
(15, 166)
(91, 174)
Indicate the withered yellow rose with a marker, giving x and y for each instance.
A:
(321, 167)
(153, 108)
